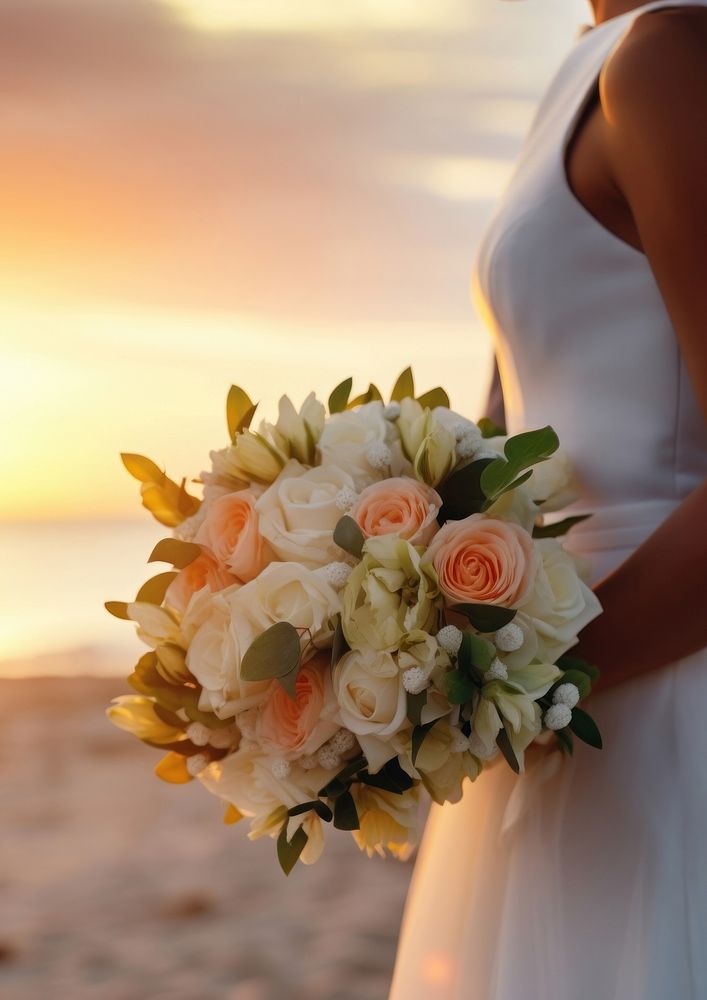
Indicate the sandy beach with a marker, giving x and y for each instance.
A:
(116, 885)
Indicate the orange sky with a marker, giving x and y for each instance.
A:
(204, 191)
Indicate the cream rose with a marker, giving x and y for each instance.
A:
(560, 604)
(298, 513)
(205, 571)
(300, 725)
(214, 657)
(348, 437)
(230, 532)
(289, 592)
(481, 560)
(399, 506)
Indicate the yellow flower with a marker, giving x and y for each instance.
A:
(388, 822)
(300, 431)
(389, 594)
(429, 445)
(136, 714)
(254, 457)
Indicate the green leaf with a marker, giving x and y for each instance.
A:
(340, 396)
(119, 609)
(391, 778)
(240, 410)
(581, 681)
(341, 781)
(339, 644)
(176, 552)
(504, 745)
(404, 386)
(415, 704)
(153, 591)
(559, 528)
(513, 485)
(475, 652)
(521, 452)
(459, 687)
(569, 662)
(564, 738)
(486, 617)
(275, 653)
(316, 805)
(169, 717)
(289, 851)
(349, 537)
(171, 664)
(585, 728)
(489, 429)
(433, 398)
(141, 468)
(345, 813)
(371, 394)
(461, 492)
(418, 738)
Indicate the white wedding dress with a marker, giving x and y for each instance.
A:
(590, 884)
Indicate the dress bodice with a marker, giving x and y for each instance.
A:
(582, 335)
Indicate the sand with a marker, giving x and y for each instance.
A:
(118, 886)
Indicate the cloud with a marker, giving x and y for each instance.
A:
(298, 175)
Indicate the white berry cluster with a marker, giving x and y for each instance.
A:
(336, 574)
(450, 639)
(346, 498)
(379, 456)
(201, 736)
(564, 699)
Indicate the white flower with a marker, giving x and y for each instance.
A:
(301, 430)
(450, 639)
(566, 694)
(509, 637)
(558, 717)
(391, 411)
(298, 513)
(347, 437)
(197, 763)
(372, 701)
(560, 604)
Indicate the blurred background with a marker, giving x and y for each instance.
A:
(278, 193)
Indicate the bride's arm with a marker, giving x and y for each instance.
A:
(654, 102)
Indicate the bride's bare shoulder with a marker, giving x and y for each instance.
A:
(660, 64)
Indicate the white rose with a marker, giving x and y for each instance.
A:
(289, 592)
(298, 513)
(372, 701)
(349, 435)
(560, 604)
(214, 657)
(551, 485)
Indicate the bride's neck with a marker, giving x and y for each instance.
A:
(606, 9)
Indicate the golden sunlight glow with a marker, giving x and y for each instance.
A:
(313, 15)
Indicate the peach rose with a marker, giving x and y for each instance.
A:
(230, 532)
(481, 560)
(398, 506)
(205, 571)
(299, 725)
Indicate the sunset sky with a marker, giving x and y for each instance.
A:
(278, 193)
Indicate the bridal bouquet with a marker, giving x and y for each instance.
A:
(364, 602)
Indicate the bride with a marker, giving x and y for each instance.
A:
(586, 878)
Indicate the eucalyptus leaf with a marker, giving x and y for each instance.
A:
(486, 617)
(508, 488)
(345, 813)
(341, 781)
(580, 680)
(289, 851)
(458, 687)
(404, 386)
(521, 452)
(461, 492)
(153, 590)
(391, 778)
(489, 429)
(565, 740)
(585, 728)
(340, 396)
(275, 653)
(434, 397)
(240, 410)
(418, 738)
(569, 662)
(481, 651)
(504, 745)
(559, 528)
(119, 609)
(349, 537)
(316, 805)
